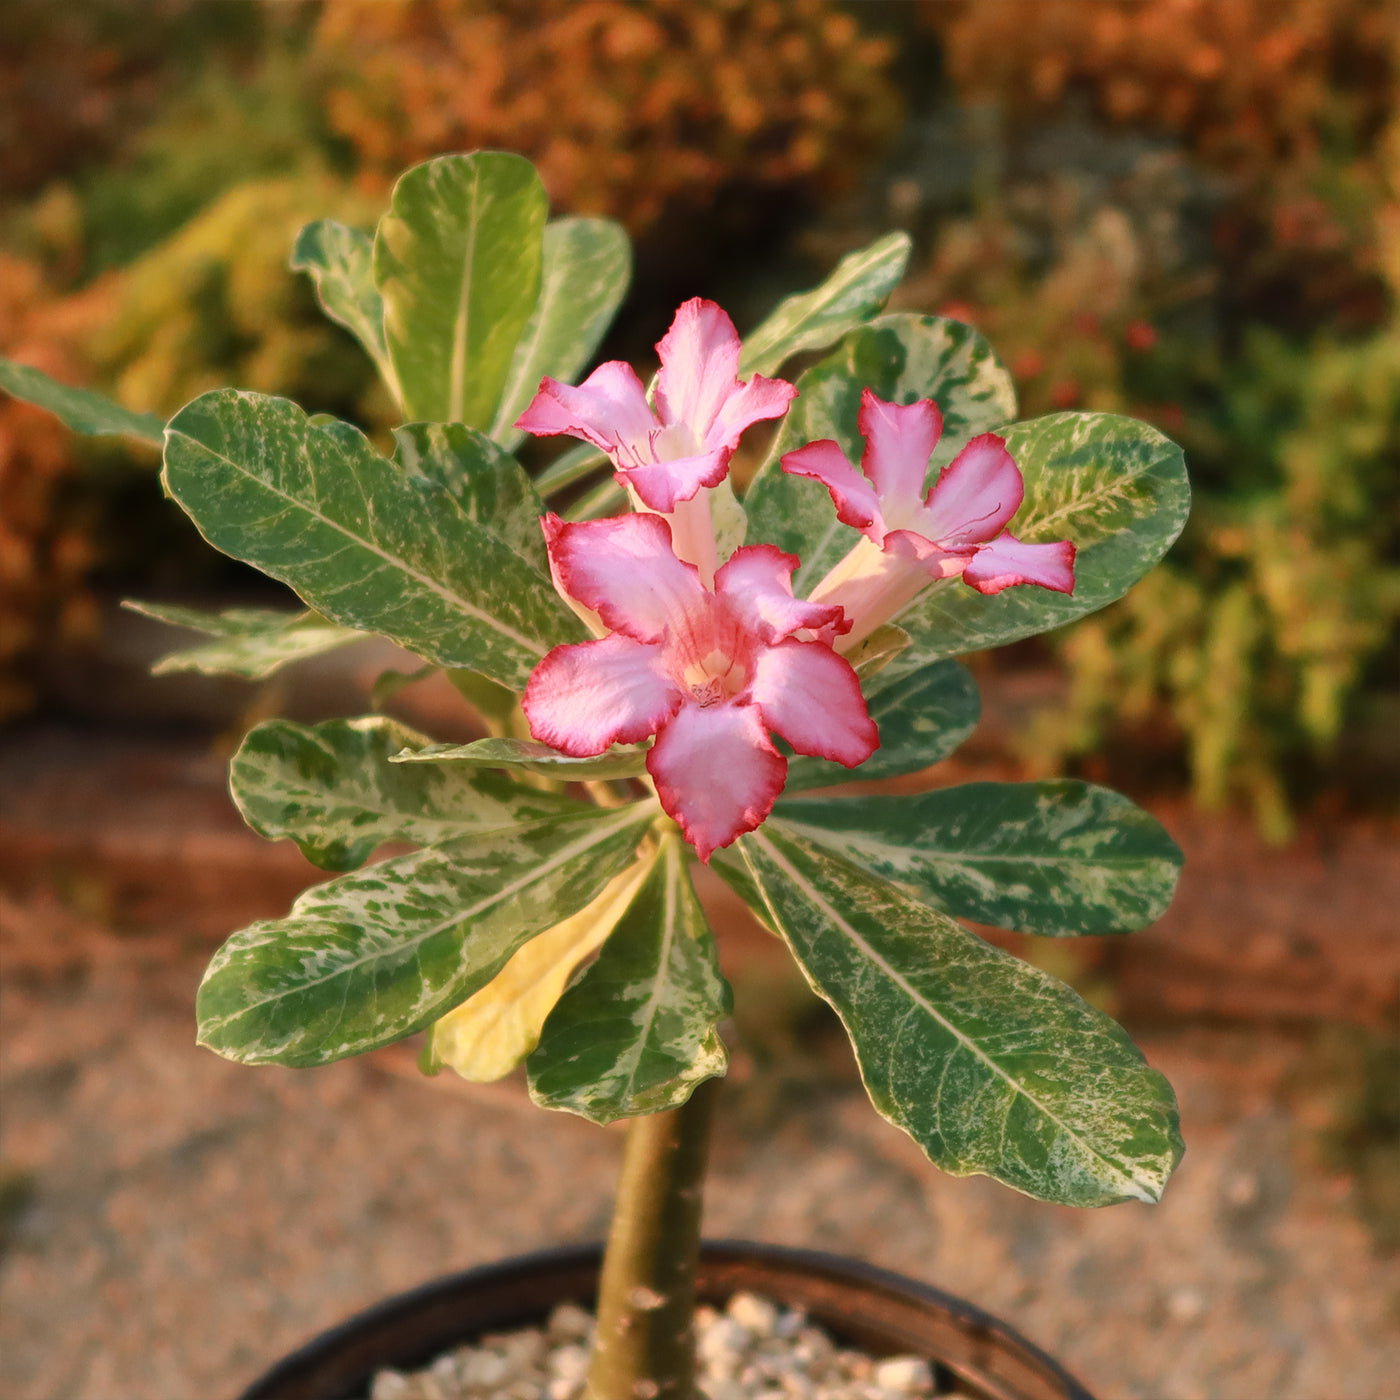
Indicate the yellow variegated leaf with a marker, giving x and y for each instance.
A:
(492, 1031)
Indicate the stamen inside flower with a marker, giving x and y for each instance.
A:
(715, 678)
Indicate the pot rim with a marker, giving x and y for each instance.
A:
(720, 1275)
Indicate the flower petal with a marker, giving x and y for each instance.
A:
(811, 697)
(625, 570)
(757, 585)
(1006, 561)
(747, 404)
(936, 561)
(660, 485)
(609, 409)
(851, 493)
(974, 496)
(716, 772)
(699, 366)
(587, 695)
(899, 440)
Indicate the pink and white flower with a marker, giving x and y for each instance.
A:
(709, 672)
(669, 455)
(913, 537)
(666, 454)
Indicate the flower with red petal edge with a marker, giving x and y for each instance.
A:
(665, 455)
(709, 672)
(913, 537)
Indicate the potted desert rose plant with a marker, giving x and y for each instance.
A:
(669, 673)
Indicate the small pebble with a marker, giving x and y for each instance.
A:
(480, 1370)
(569, 1323)
(569, 1363)
(756, 1314)
(907, 1375)
(390, 1385)
(790, 1323)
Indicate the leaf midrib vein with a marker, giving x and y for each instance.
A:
(913, 993)
(413, 943)
(402, 565)
(822, 835)
(456, 389)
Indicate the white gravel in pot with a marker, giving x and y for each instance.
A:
(753, 1350)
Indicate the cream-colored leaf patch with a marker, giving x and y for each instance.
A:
(492, 1031)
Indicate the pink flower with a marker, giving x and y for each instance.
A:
(664, 456)
(912, 537)
(708, 671)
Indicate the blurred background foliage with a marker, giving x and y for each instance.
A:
(1188, 210)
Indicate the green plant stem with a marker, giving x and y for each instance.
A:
(645, 1348)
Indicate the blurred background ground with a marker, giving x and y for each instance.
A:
(1186, 211)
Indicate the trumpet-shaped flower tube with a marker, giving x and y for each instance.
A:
(913, 537)
(710, 672)
(668, 455)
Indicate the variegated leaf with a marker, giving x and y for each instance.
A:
(577, 464)
(247, 642)
(340, 262)
(530, 756)
(485, 480)
(457, 261)
(371, 957)
(876, 652)
(857, 288)
(922, 717)
(637, 1032)
(1115, 488)
(1057, 858)
(901, 357)
(79, 409)
(367, 544)
(731, 524)
(989, 1064)
(495, 1028)
(331, 788)
(587, 266)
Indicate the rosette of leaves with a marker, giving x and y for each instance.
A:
(526, 923)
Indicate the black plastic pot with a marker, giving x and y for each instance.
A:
(881, 1313)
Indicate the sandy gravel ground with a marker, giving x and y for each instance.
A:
(174, 1222)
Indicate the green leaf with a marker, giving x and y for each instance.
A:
(371, 957)
(340, 261)
(587, 266)
(922, 717)
(727, 517)
(637, 1032)
(1057, 859)
(855, 291)
(606, 498)
(989, 1064)
(362, 541)
(79, 409)
(871, 656)
(486, 481)
(578, 463)
(494, 1029)
(901, 357)
(247, 642)
(332, 789)
(1116, 488)
(532, 757)
(457, 260)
